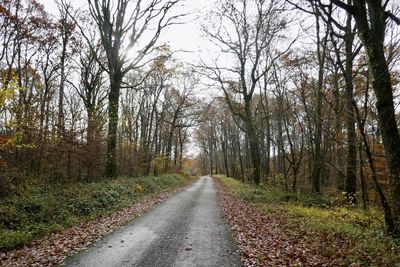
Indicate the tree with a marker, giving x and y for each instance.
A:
(247, 31)
(66, 29)
(93, 94)
(347, 34)
(182, 111)
(120, 33)
(371, 19)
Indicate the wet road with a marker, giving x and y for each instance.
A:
(186, 230)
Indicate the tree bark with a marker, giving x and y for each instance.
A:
(351, 169)
(371, 18)
(373, 39)
(317, 156)
(113, 107)
(253, 144)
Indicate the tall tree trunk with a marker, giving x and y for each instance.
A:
(371, 18)
(317, 163)
(181, 155)
(113, 107)
(389, 219)
(388, 128)
(268, 144)
(240, 156)
(60, 122)
(317, 157)
(351, 169)
(373, 39)
(363, 182)
(224, 145)
(338, 130)
(90, 143)
(255, 156)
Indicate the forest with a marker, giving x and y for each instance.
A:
(297, 99)
(316, 116)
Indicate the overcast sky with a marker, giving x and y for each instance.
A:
(185, 37)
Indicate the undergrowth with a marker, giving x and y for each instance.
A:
(35, 213)
(364, 230)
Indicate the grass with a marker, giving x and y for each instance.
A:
(363, 229)
(38, 212)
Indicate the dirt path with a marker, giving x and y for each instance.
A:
(186, 230)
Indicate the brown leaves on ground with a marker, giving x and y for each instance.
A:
(267, 240)
(54, 248)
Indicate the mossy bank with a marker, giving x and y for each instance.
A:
(46, 209)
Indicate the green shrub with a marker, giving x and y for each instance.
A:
(9, 218)
(82, 207)
(47, 209)
(12, 239)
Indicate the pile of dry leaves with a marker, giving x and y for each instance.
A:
(267, 240)
(56, 247)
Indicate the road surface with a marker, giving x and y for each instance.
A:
(186, 230)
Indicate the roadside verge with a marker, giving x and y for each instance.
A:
(271, 231)
(56, 246)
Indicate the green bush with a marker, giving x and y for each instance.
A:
(82, 207)
(47, 209)
(12, 239)
(9, 218)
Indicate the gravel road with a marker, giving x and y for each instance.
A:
(186, 230)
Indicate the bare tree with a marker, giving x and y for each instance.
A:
(246, 30)
(66, 28)
(122, 26)
(371, 19)
(347, 34)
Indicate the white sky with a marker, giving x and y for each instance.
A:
(185, 37)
